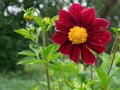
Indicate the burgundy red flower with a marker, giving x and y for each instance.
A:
(79, 32)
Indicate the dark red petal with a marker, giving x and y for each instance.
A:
(61, 27)
(99, 24)
(66, 19)
(100, 38)
(88, 16)
(96, 47)
(66, 47)
(86, 55)
(59, 38)
(75, 11)
(75, 53)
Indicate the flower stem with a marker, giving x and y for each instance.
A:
(84, 66)
(113, 51)
(91, 76)
(45, 44)
(47, 74)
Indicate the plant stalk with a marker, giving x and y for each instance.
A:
(84, 66)
(113, 51)
(45, 44)
(91, 76)
(47, 74)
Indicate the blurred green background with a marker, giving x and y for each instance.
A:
(11, 18)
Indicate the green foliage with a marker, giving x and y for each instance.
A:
(117, 58)
(46, 23)
(11, 18)
(33, 56)
(109, 81)
(30, 33)
(116, 30)
(50, 52)
(16, 82)
(26, 33)
(69, 75)
(104, 78)
(105, 61)
(27, 53)
(27, 60)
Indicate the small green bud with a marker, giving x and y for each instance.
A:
(27, 17)
(46, 20)
(51, 73)
(32, 28)
(60, 80)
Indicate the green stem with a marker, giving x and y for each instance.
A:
(91, 76)
(59, 88)
(47, 74)
(113, 51)
(45, 44)
(84, 66)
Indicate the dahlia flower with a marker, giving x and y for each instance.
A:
(79, 33)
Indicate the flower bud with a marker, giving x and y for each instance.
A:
(27, 17)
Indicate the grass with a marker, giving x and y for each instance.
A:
(34, 78)
(16, 83)
(23, 81)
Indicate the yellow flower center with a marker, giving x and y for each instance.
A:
(77, 35)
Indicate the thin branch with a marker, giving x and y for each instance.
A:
(91, 76)
(113, 51)
(45, 44)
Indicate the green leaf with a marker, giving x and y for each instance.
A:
(50, 50)
(38, 30)
(27, 60)
(34, 48)
(27, 53)
(117, 58)
(31, 60)
(54, 56)
(25, 33)
(41, 62)
(83, 77)
(104, 56)
(104, 78)
(106, 61)
(53, 20)
(38, 20)
(92, 82)
(51, 23)
(116, 30)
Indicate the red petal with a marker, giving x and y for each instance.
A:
(66, 47)
(88, 16)
(99, 24)
(95, 47)
(75, 11)
(100, 38)
(86, 55)
(75, 53)
(59, 38)
(66, 19)
(61, 27)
